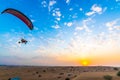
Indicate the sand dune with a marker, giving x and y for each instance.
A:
(57, 73)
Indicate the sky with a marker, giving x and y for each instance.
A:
(66, 33)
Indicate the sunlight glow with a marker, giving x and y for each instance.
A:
(85, 63)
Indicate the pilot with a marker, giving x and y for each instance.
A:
(23, 41)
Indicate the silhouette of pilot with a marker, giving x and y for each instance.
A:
(23, 41)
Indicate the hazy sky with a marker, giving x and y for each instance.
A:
(66, 32)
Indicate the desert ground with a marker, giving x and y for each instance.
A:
(58, 72)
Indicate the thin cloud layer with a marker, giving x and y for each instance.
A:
(95, 9)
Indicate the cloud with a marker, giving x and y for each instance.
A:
(81, 9)
(44, 3)
(79, 28)
(71, 9)
(69, 24)
(58, 19)
(90, 13)
(112, 25)
(117, 27)
(57, 14)
(94, 9)
(84, 26)
(32, 20)
(93, 44)
(56, 27)
(67, 1)
(51, 4)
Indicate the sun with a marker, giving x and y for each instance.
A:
(85, 62)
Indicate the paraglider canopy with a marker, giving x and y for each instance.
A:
(20, 15)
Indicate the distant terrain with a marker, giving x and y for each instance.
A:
(58, 72)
